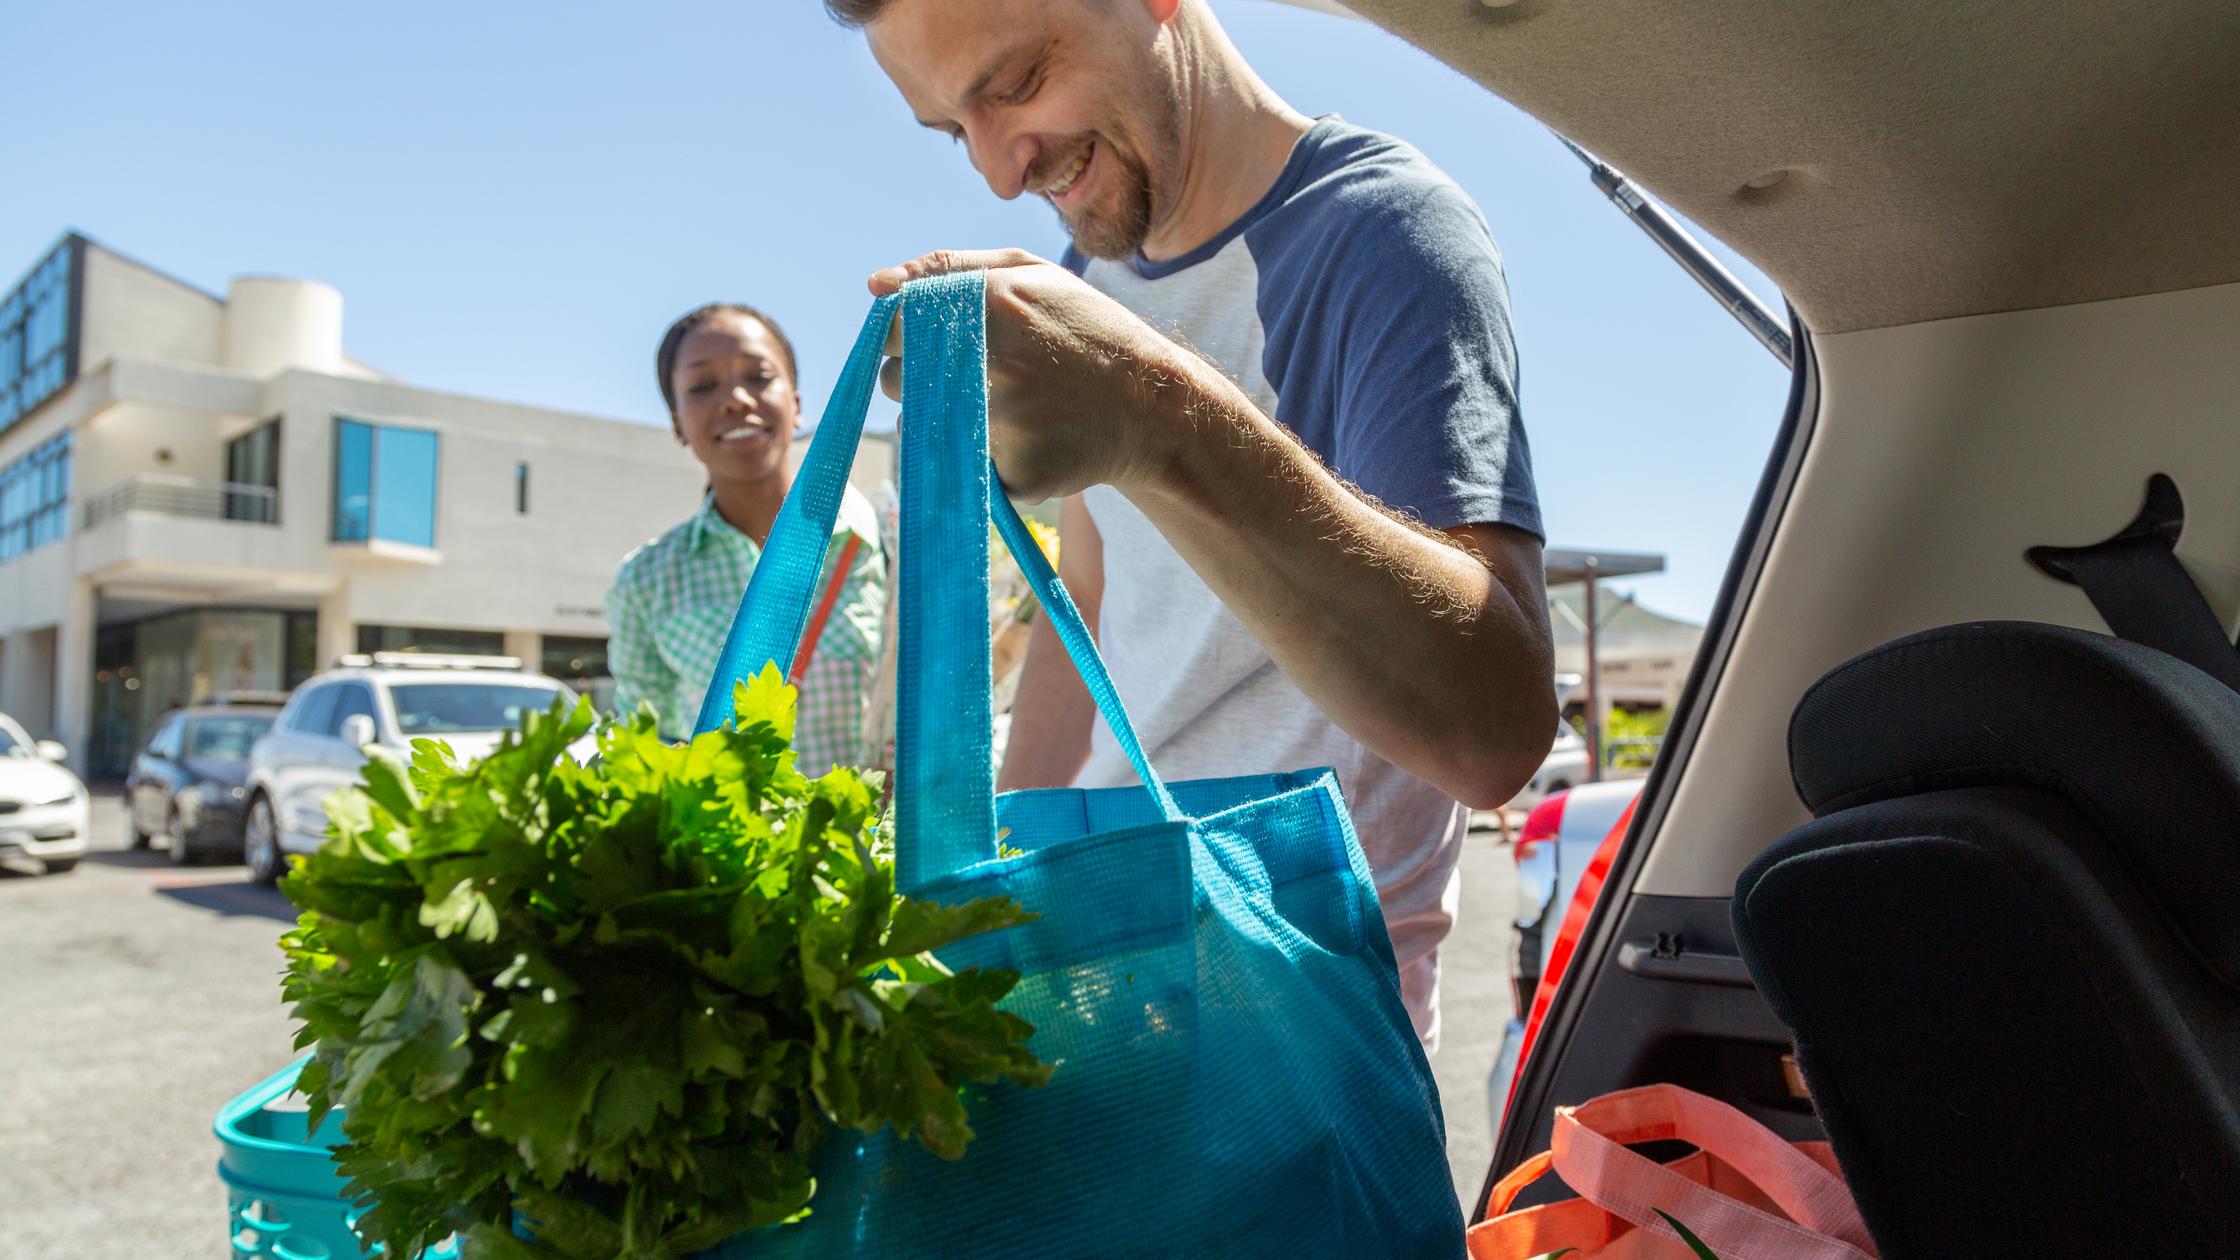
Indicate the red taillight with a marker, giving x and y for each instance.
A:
(1542, 824)
(1568, 933)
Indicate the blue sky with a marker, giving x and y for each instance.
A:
(515, 199)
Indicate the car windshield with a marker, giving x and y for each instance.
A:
(226, 738)
(443, 708)
(10, 746)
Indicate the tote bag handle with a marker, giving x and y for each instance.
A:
(944, 767)
(1590, 1155)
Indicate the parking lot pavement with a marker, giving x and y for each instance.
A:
(139, 997)
(1474, 1002)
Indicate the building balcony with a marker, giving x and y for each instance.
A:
(183, 539)
(159, 494)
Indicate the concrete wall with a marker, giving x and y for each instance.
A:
(128, 412)
(597, 488)
(27, 679)
(273, 324)
(132, 310)
(34, 587)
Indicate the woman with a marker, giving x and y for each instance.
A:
(728, 375)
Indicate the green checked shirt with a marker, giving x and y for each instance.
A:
(671, 605)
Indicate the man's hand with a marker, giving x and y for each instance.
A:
(1072, 376)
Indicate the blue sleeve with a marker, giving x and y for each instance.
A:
(1406, 379)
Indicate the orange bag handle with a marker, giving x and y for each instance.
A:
(1591, 1157)
(1538, 1231)
(823, 613)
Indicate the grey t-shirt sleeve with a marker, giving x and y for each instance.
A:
(1416, 358)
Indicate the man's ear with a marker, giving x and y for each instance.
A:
(1162, 11)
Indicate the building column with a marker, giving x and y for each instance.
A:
(527, 645)
(338, 635)
(31, 657)
(15, 653)
(73, 674)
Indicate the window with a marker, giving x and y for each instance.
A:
(568, 658)
(384, 484)
(355, 699)
(226, 738)
(311, 710)
(253, 459)
(35, 498)
(582, 664)
(431, 639)
(353, 481)
(444, 708)
(166, 741)
(10, 746)
(301, 633)
(39, 332)
(521, 489)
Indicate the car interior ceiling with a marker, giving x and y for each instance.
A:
(1943, 159)
(2007, 326)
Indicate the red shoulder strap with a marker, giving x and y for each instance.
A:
(817, 620)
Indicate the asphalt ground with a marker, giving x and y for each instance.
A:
(137, 998)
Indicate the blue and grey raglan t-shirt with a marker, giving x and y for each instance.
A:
(1361, 304)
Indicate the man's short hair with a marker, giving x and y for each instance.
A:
(854, 12)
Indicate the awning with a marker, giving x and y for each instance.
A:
(1566, 564)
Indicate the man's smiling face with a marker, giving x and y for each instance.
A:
(1070, 100)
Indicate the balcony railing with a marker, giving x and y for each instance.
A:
(164, 495)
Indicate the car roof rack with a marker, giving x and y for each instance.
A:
(229, 699)
(425, 660)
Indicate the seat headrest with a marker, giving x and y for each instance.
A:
(2145, 744)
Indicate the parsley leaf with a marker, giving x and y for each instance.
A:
(622, 1004)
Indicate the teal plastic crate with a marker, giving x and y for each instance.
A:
(283, 1192)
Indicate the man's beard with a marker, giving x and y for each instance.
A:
(1120, 232)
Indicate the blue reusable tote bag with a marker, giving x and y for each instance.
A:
(1236, 1074)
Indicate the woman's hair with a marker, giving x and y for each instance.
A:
(854, 12)
(665, 359)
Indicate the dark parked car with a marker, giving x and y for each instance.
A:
(187, 782)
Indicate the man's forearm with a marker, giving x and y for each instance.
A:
(1435, 656)
(1052, 720)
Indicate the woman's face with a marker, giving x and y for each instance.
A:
(736, 407)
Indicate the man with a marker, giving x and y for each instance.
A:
(1303, 520)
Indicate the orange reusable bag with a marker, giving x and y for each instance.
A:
(1745, 1192)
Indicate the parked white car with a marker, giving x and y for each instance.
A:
(1564, 767)
(43, 809)
(316, 745)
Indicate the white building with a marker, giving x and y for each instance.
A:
(1643, 656)
(204, 494)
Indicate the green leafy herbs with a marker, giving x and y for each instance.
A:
(625, 1001)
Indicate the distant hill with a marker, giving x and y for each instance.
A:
(1626, 627)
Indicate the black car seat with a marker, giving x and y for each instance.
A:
(2008, 945)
